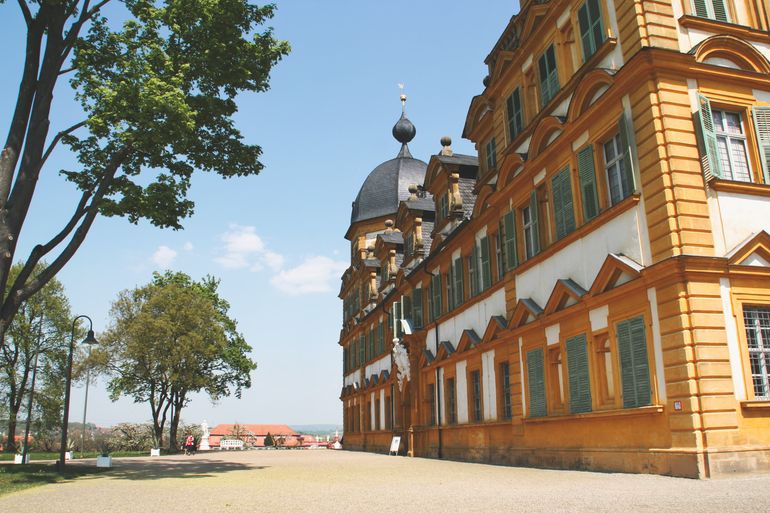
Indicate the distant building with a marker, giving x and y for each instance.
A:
(254, 434)
(592, 291)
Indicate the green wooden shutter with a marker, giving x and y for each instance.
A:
(536, 383)
(408, 312)
(700, 8)
(588, 190)
(473, 270)
(509, 229)
(564, 212)
(510, 116)
(457, 274)
(533, 214)
(543, 73)
(436, 296)
(712, 166)
(361, 349)
(625, 146)
(762, 125)
(634, 364)
(486, 268)
(579, 381)
(720, 12)
(585, 32)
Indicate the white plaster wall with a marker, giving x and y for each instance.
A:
(371, 414)
(736, 217)
(377, 366)
(442, 398)
(598, 317)
(582, 259)
(475, 318)
(462, 392)
(382, 409)
(489, 385)
(733, 347)
(353, 377)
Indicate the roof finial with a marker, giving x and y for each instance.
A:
(404, 130)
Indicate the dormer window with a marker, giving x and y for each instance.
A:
(443, 206)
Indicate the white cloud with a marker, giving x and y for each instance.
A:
(242, 246)
(315, 275)
(163, 257)
(188, 246)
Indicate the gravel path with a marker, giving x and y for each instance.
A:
(340, 481)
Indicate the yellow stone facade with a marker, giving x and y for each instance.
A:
(595, 287)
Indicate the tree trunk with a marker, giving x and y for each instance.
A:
(10, 444)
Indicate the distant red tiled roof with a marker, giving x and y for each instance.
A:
(253, 429)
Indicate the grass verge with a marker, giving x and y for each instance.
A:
(14, 478)
(41, 456)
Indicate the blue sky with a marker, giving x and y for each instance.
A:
(276, 240)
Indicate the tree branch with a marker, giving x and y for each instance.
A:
(58, 138)
(22, 290)
(25, 11)
(67, 70)
(74, 31)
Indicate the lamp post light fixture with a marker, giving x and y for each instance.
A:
(90, 339)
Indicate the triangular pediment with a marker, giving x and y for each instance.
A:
(525, 312)
(445, 350)
(384, 376)
(496, 325)
(754, 252)
(502, 61)
(468, 340)
(564, 294)
(535, 15)
(426, 358)
(616, 270)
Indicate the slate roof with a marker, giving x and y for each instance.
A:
(459, 159)
(467, 194)
(386, 186)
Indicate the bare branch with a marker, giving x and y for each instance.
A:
(23, 289)
(58, 138)
(67, 70)
(25, 11)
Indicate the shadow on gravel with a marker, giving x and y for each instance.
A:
(164, 469)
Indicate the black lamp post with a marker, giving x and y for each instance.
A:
(90, 339)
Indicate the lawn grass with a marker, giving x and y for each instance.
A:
(42, 456)
(14, 478)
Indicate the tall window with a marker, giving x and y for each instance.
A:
(588, 192)
(605, 378)
(417, 307)
(614, 165)
(435, 297)
(515, 114)
(549, 77)
(731, 145)
(444, 206)
(431, 404)
(451, 401)
(457, 276)
(712, 9)
(484, 265)
(591, 27)
(361, 349)
(388, 413)
(757, 322)
(531, 229)
(508, 228)
(476, 395)
(505, 377)
(499, 264)
(491, 154)
(556, 378)
(376, 414)
(634, 365)
(450, 296)
(380, 338)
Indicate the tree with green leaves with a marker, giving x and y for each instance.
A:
(169, 339)
(38, 335)
(157, 91)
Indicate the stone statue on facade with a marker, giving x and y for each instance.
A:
(401, 359)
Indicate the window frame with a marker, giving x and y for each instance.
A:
(729, 138)
(506, 402)
(750, 385)
(549, 84)
(594, 45)
(476, 397)
(490, 155)
(514, 117)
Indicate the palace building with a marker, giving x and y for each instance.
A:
(593, 290)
